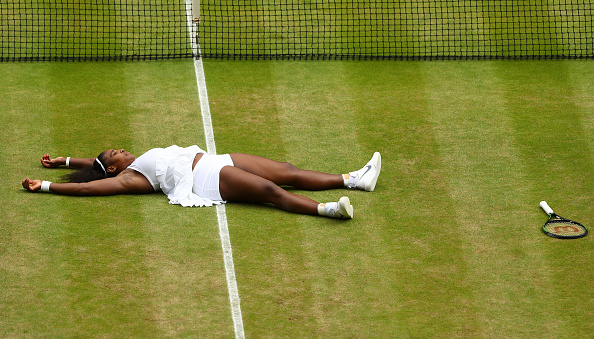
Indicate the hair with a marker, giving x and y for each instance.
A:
(89, 173)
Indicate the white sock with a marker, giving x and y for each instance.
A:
(353, 176)
(345, 177)
(322, 209)
(328, 209)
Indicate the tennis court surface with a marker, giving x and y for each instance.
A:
(448, 245)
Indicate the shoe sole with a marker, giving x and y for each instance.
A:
(346, 209)
(378, 164)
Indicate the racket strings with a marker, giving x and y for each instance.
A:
(565, 228)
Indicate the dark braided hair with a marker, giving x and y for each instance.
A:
(89, 173)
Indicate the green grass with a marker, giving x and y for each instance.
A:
(123, 266)
(449, 244)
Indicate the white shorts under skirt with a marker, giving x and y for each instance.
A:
(206, 175)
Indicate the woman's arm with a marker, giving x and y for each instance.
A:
(48, 162)
(127, 182)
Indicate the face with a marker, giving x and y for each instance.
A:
(117, 160)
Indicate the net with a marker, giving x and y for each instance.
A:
(397, 29)
(312, 29)
(93, 30)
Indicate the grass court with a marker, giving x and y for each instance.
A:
(449, 244)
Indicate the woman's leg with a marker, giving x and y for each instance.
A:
(284, 173)
(237, 184)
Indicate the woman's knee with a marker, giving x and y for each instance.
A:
(270, 192)
(289, 173)
(289, 167)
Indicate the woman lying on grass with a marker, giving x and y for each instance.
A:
(191, 177)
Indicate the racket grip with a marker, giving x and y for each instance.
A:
(546, 208)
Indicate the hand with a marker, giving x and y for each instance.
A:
(48, 162)
(31, 185)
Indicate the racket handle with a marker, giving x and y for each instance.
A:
(546, 208)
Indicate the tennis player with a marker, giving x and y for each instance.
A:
(191, 177)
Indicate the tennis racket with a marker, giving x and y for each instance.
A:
(559, 227)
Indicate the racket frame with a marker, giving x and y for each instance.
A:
(554, 217)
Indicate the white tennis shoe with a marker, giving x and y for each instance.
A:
(341, 209)
(345, 209)
(366, 178)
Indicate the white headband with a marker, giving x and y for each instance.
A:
(100, 164)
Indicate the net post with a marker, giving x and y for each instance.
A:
(196, 20)
(196, 11)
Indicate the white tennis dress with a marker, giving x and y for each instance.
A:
(170, 170)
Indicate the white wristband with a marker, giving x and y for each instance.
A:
(45, 186)
(68, 162)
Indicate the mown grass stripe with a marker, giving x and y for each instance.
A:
(552, 123)
(490, 189)
(183, 249)
(23, 266)
(99, 247)
(423, 280)
(314, 119)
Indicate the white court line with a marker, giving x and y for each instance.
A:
(221, 213)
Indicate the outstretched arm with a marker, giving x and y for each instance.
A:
(127, 182)
(48, 162)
